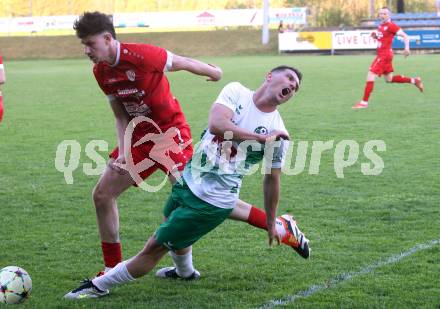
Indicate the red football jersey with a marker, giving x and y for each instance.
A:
(385, 36)
(1, 62)
(137, 80)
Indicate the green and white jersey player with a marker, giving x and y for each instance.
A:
(242, 123)
(215, 172)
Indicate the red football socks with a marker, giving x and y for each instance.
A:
(401, 79)
(112, 253)
(1, 108)
(257, 218)
(368, 89)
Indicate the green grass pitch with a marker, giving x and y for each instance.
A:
(49, 228)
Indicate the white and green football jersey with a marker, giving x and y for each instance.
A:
(215, 172)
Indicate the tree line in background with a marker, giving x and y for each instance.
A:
(323, 13)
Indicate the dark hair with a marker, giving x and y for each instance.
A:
(92, 23)
(286, 67)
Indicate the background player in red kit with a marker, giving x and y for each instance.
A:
(132, 76)
(2, 81)
(383, 64)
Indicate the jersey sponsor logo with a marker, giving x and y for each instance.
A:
(135, 109)
(261, 130)
(127, 92)
(131, 75)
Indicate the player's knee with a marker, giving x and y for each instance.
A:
(100, 197)
(153, 250)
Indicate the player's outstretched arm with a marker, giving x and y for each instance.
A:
(271, 188)
(406, 51)
(214, 73)
(220, 122)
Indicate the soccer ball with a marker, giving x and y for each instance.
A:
(15, 285)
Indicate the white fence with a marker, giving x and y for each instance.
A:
(163, 20)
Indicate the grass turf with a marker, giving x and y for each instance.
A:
(49, 227)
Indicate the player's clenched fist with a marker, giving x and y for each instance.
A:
(275, 135)
(216, 73)
(118, 165)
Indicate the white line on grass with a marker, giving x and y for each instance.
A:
(348, 276)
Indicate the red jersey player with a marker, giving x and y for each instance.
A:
(132, 76)
(383, 64)
(2, 81)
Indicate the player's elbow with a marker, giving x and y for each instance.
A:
(219, 120)
(405, 37)
(217, 124)
(215, 128)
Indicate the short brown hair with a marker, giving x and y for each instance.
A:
(286, 67)
(92, 23)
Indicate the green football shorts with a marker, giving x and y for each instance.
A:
(188, 218)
